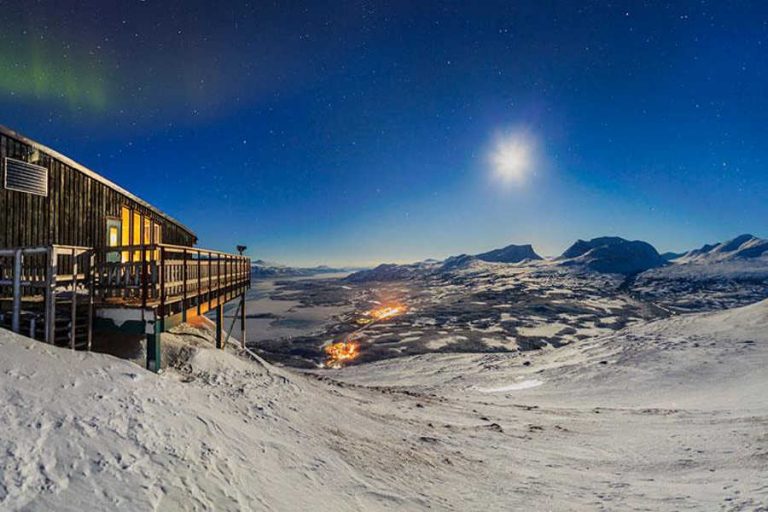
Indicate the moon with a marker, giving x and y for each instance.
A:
(512, 157)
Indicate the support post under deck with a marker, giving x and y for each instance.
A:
(153, 347)
(219, 325)
(242, 322)
(154, 353)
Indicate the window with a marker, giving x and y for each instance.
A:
(147, 231)
(113, 239)
(158, 238)
(136, 231)
(113, 236)
(125, 230)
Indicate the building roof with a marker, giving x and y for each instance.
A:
(91, 174)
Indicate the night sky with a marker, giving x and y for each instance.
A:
(358, 132)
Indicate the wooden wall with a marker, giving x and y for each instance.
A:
(75, 211)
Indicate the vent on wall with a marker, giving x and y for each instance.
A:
(26, 177)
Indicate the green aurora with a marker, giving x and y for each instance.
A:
(37, 72)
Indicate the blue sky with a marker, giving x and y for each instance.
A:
(361, 132)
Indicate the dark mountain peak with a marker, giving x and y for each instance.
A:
(581, 247)
(669, 256)
(458, 262)
(614, 255)
(384, 272)
(736, 243)
(510, 254)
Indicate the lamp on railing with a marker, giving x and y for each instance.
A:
(241, 249)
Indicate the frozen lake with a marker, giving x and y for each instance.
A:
(271, 319)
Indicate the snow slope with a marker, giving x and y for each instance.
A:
(705, 285)
(667, 415)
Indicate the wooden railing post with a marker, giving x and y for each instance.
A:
(73, 320)
(16, 313)
(143, 277)
(162, 283)
(199, 284)
(91, 285)
(210, 282)
(50, 296)
(184, 289)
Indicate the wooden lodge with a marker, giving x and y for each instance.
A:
(79, 253)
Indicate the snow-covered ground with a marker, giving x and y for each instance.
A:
(705, 285)
(467, 304)
(663, 415)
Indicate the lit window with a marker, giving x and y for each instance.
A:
(147, 231)
(113, 236)
(125, 231)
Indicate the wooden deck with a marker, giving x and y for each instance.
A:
(168, 279)
(165, 275)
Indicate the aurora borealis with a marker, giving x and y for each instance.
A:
(357, 132)
(35, 74)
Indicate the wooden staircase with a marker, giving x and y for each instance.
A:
(63, 331)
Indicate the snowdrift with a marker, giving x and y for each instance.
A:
(666, 415)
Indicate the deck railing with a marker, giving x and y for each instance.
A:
(162, 274)
(52, 273)
(52, 288)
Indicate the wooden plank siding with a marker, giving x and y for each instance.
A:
(77, 207)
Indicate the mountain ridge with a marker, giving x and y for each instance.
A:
(744, 246)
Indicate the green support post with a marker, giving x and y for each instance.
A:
(153, 348)
(242, 322)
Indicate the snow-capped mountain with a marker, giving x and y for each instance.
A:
(509, 254)
(716, 276)
(261, 268)
(612, 255)
(392, 272)
(607, 255)
(741, 247)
